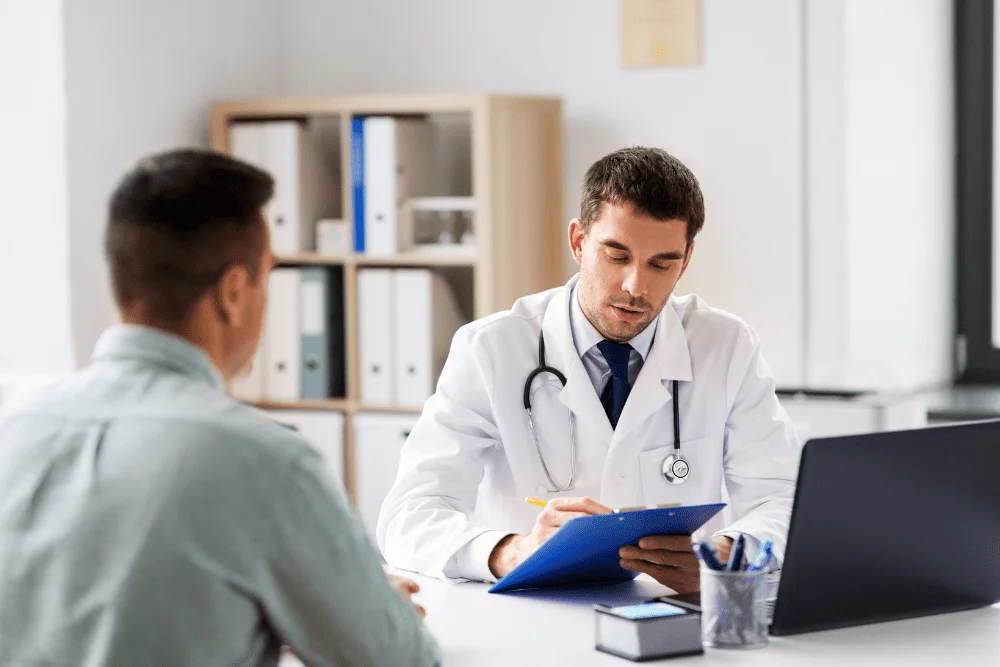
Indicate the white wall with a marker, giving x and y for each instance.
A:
(140, 76)
(901, 191)
(35, 334)
(821, 131)
(736, 120)
(881, 214)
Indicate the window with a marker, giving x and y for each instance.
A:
(978, 185)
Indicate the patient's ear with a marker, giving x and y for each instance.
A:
(233, 295)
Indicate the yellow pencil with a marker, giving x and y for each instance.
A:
(535, 501)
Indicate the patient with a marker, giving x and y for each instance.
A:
(148, 519)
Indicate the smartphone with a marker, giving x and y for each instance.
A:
(637, 612)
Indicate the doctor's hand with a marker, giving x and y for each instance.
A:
(513, 549)
(670, 560)
(406, 589)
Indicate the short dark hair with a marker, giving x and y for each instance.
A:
(177, 222)
(653, 181)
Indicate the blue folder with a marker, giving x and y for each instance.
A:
(585, 549)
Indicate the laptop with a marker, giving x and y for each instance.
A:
(892, 525)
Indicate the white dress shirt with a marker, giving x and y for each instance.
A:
(586, 338)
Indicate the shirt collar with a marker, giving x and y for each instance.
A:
(585, 336)
(130, 342)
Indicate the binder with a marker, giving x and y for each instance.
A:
(282, 377)
(324, 431)
(249, 384)
(246, 142)
(321, 317)
(358, 181)
(585, 549)
(427, 317)
(282, 142)
(375, 324)
(397, 165)
(378, 440)
(305, 188)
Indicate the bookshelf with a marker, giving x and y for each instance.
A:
(515, 165)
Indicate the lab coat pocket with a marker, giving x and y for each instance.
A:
(656, 490)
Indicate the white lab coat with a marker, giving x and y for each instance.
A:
(470, 461)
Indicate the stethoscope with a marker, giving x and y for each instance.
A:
(674, 468)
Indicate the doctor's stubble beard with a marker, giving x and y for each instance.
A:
(608, 324)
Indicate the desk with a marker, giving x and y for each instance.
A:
(476, 629)
(963, 403)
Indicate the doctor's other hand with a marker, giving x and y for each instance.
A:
(406, 589)
(670, 560)
(513, 549)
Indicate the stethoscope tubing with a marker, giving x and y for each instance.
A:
(544, 368)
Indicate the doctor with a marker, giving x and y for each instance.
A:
(642, 398)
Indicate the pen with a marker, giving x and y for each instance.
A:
(735, 563)
(707, 556)
(535, 501)
(763, 557)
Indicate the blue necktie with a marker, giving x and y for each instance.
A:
(616, 392)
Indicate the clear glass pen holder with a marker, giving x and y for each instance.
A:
(733, 609)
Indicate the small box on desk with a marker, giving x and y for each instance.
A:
(648, 631)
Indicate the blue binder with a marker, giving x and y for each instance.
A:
(358, 181)
(585, 550)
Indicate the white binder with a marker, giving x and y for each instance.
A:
(282, 152)
(305, 188)
(378, 440)
(323, 430)
(398, 165)
(427, 317)
(283, 354)
(249, 384)
(246, 142)
(375, 323)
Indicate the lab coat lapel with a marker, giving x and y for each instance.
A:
(560, 351)
(668, 360)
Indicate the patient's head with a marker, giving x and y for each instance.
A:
(189, 251)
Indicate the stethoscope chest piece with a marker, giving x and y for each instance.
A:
(675, 469)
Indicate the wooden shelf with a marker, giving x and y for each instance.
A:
(418, 259)
(315, 258)
(405, 259)
(336, 404)
(339, 404)
(391, 103)
(401, 409)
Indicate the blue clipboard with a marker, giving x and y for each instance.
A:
(585, 549)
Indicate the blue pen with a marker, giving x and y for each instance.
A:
(735, 563)
(763, 557)
(707, 556)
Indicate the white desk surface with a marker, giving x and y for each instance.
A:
(476, 629)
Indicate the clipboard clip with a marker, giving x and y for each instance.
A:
(636, 508)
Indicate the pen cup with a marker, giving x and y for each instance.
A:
(733, 609)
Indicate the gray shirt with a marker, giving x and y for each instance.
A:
(148, 519)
